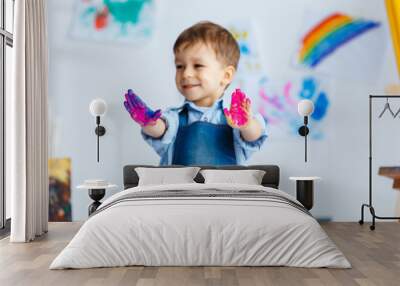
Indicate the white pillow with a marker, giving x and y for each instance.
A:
(248, 177)
(163, 176)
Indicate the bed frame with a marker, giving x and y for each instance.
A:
(270, 179)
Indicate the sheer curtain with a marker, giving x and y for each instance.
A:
(26, 124)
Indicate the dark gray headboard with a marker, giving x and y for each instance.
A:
(271, 177)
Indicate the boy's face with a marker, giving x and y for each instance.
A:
(200, 76)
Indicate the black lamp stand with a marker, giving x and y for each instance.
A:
(96, 195)
(303, 131)
(100, 131)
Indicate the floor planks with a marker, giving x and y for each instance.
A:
(374, 255)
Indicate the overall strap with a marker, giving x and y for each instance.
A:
(183, 116)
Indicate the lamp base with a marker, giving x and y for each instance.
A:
(303, 130)
(100, 130)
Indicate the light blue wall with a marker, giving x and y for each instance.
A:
(83, 70)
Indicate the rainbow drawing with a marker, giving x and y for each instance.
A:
(330, 34)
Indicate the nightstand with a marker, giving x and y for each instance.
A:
(305, 190)
(96, 190)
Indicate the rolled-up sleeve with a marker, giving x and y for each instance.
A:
(163, 144)
(244, 149)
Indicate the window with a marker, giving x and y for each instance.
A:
(6, 44)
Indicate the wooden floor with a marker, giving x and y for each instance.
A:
(374, 255)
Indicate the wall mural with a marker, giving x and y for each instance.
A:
(332, 45)
(129, 21)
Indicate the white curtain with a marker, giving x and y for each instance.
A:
(27, 123)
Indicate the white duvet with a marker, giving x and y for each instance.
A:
(217, 231)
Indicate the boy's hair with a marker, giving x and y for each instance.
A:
(218, 38)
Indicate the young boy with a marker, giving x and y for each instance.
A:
(201, 131)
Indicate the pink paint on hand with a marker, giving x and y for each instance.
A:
(238, 112)
(139, 111)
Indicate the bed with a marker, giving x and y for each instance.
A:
(198, 224)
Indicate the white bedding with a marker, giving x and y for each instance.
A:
(181, 231)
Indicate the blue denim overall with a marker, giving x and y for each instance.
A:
(203, 143)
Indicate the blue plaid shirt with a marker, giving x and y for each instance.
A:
(164, 146)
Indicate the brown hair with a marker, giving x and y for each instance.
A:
(218, 38)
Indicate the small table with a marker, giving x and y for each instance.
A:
(305, 190)
(96, 193)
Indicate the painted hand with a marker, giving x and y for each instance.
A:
(139, 111)
(239, 114)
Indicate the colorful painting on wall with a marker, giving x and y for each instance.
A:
(129, 21)
(279, 99)
(331, 33)
(340, 45)
(60, 189)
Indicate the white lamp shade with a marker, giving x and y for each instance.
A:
(305, 107)
(98, 107)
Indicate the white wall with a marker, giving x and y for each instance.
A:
(81, 71)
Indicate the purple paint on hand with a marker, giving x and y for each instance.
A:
(139, 111)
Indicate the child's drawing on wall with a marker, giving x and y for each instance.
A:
(279, 101)
(340, 45)
(129, 21)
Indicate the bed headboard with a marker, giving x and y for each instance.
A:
(270, 179)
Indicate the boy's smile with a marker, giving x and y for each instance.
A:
(200, 76)
(189, 86)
